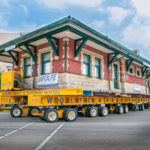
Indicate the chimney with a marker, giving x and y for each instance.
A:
(136, 51)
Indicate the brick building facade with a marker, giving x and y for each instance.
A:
(82, 58)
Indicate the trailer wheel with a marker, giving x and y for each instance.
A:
(126, 109)
(92, 112)
(135, 107)
(142, 107)
(51, 115)
(120, 110)
(16, 112)
(103, 111)
(32, 111)
(84, 108)
(146, 105)
(70, 114)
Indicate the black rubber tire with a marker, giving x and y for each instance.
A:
(103, 111)
(80, 113)
(90, 112)
(130, 106)
(135, 107)
(30, 113)
(142, 107)
(125, 109)
(16, 108)
(66, 114)
(47, 117)
(146, 105)
(120, 109)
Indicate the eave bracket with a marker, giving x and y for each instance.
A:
(15, 59)
(77, 51)
(55, 49)
(128, 64)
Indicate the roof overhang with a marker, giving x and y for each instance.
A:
(71, 28)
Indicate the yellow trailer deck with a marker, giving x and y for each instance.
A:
(67, 103)
(52, 104)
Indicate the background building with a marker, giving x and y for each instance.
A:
(5, 37)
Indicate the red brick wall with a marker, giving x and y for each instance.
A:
(134, 79)
(58, 64)
(105, 60)
(74, 65)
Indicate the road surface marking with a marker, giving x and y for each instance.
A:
(7, 134)
(1, 137)
(25, 126)
(10, 133)
(49, 137)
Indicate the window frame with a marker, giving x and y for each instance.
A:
(44, 62)
(133, 69)
(148, 83)
(88, 64)
(138, 70)
(98, 67)
(27, 65)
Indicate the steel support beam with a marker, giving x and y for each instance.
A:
(77, 51)
(56, 50)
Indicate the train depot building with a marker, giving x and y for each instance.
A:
(77, 56)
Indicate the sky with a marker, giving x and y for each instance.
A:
(125, 21)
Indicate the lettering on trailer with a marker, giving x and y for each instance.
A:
(17, 100)
(48, 80)
(71, 100)
(10, 48)
(61, 100)
(49, 100)
(55, 92)
(80, 100)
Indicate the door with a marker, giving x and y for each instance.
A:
(116, 76)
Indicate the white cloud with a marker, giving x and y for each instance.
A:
(138, 32)
(98, 24)
(142, 7)
(25, 9)
(3, 21)
(5, 3)
(63, 4)
(117, 15)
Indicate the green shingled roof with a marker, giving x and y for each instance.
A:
(77, 23)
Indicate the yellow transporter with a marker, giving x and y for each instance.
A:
(52, 104)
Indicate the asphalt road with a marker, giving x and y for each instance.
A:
(129, 131)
